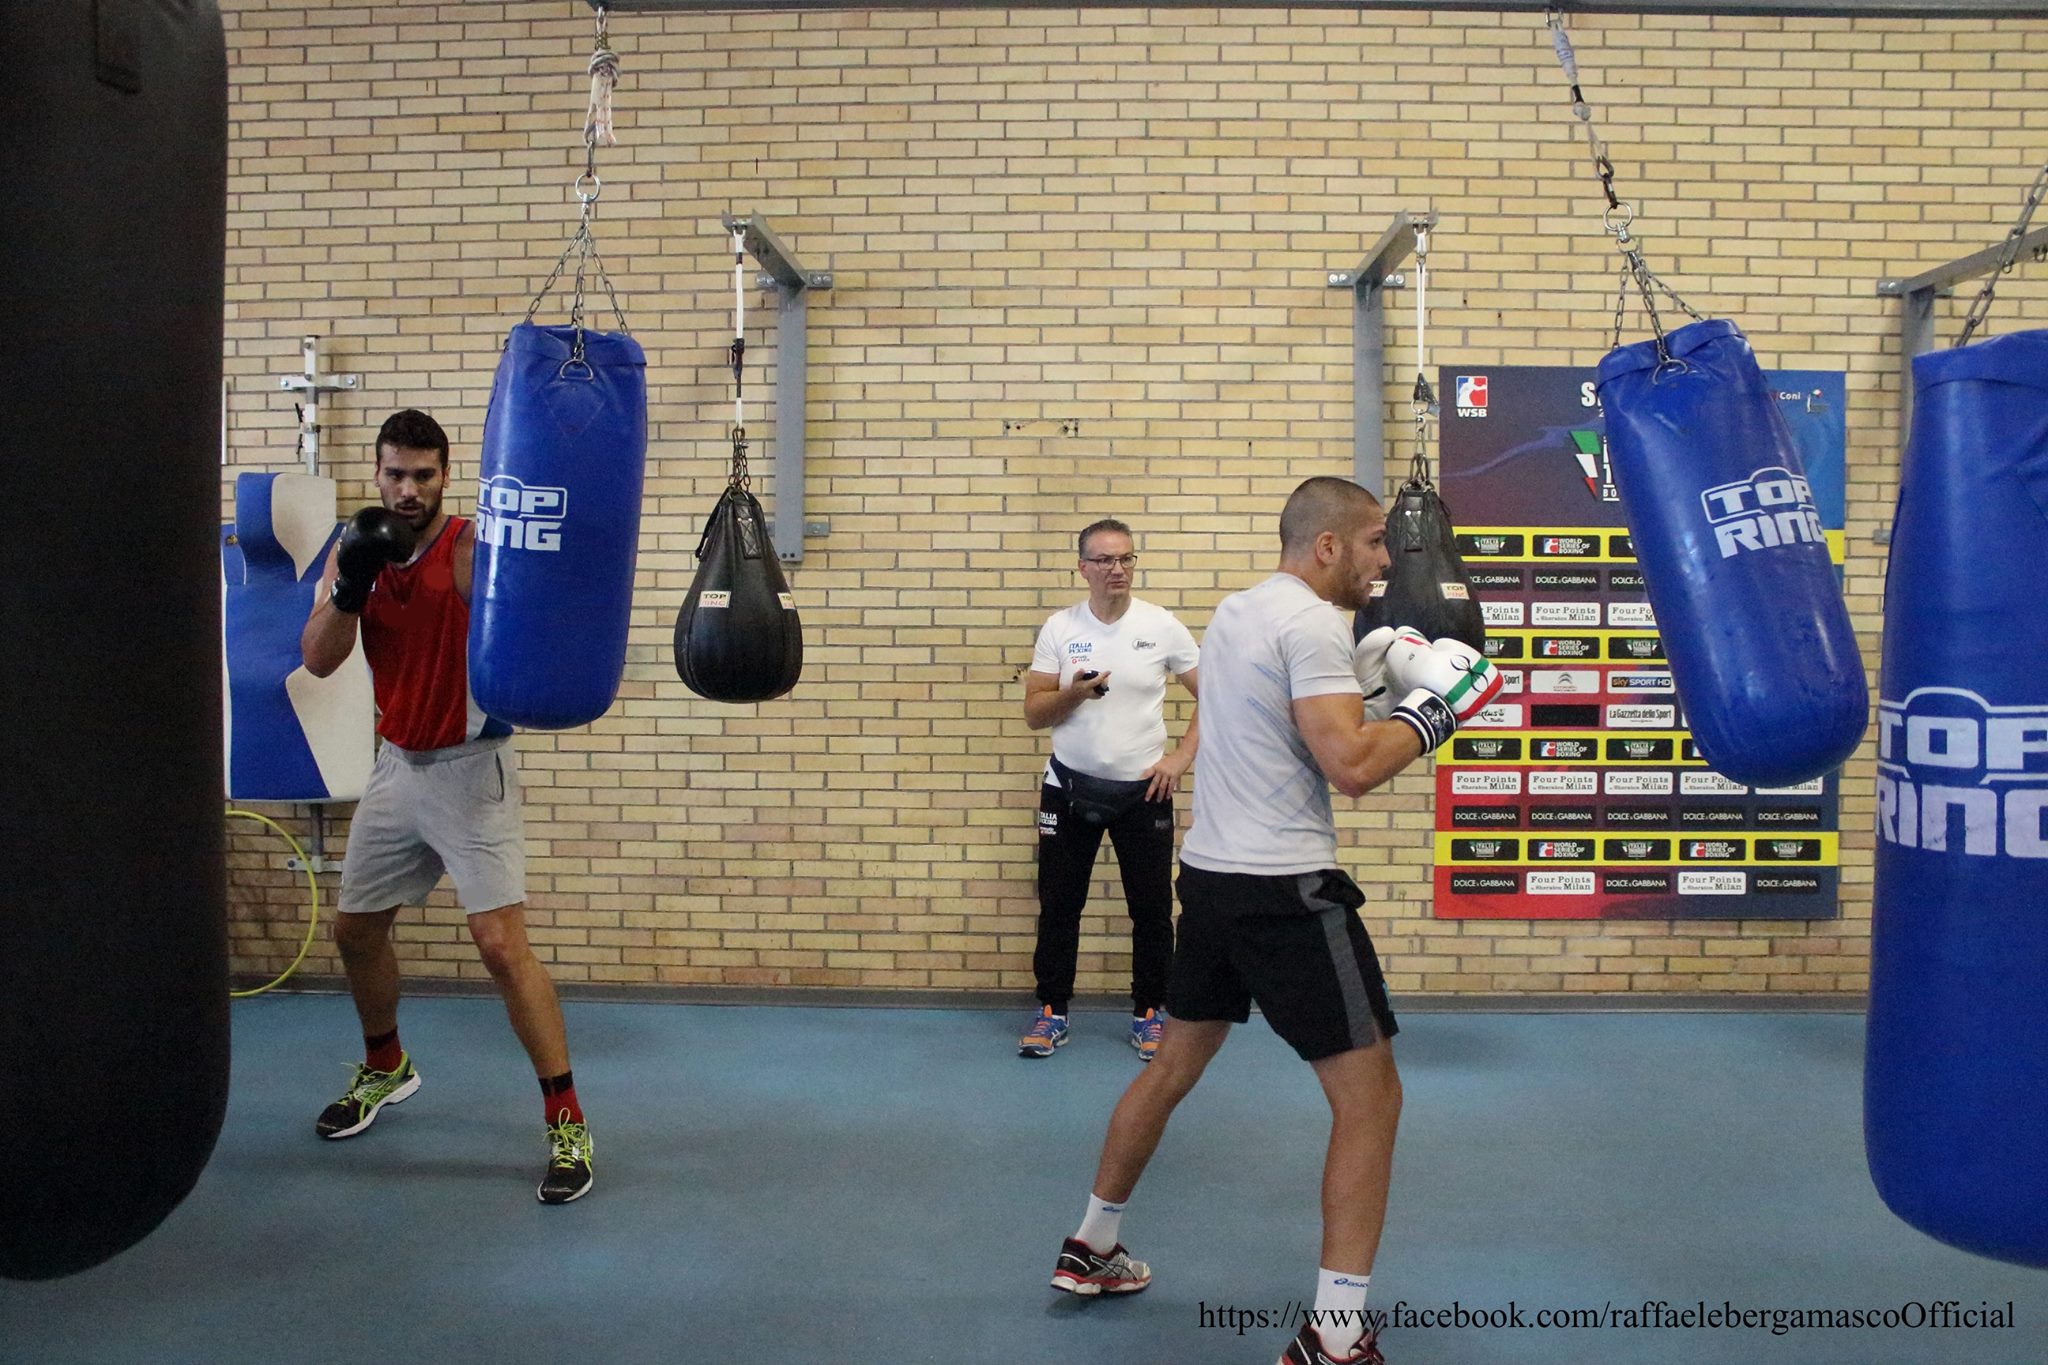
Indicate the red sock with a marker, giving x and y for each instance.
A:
(557, 1094)
(383, 1053)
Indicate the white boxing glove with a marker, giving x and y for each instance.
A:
(1369, 663)
(1447, 683)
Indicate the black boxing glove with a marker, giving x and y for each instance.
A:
(373, 538)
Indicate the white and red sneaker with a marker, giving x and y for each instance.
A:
(1307, 1349)
(1083, 1270)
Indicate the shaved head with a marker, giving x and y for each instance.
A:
(1324, 504)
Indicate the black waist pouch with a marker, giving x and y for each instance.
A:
(1097, 800)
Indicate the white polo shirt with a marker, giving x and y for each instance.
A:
(1262, 806)
(1118, 736)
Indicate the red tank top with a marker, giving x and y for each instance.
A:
(416, 638)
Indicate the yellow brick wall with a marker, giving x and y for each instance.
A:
(1119, 218)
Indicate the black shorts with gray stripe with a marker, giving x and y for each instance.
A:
(1294, 944)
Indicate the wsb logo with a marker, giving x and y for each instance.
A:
(518, 516)
(1771, 507)
(1957, 774)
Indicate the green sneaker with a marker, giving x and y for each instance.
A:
(369, 1092)
(568, 1173)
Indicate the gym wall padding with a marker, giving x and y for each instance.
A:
(290, 736)
(113, 942)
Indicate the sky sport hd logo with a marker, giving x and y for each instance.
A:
(1471, 395)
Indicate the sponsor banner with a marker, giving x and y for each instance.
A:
(1564, 614)
(1564, 681)
(1630, 614)
(1562, 817)
(1486, 784)
(1624, 680)
(1502, 613)
(1564, 784)
(1486, 748)
(1561, 883)
(1812, 788)
(1486, 817)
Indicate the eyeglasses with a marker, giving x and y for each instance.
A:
(1112, 561)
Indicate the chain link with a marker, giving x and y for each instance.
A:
(583, 244)
(1982, 305)
(1619, 213)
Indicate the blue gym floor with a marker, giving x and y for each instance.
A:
(888, 1186)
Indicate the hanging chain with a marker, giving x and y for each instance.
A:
(1982, 305)
(1619, 213)
(597, 130)
(1424, 397)
(736, 356)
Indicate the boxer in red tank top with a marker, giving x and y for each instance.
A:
(443, 795)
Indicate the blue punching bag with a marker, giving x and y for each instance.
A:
(1734, 557)
(558, 526)
(113, 923)
(1955, 1112)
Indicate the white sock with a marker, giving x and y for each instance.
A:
(1099, 1226)
(1340, 1308)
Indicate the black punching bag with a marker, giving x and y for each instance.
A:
(738, 637)
(113, 935)
(1426, 587)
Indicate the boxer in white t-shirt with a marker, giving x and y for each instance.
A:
(1291, 708)
(1098, 682)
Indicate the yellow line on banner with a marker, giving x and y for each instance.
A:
(1745, 841)
(1837, 545)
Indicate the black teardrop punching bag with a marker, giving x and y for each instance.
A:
(1426, 587)
(113, 940)
(738, 637)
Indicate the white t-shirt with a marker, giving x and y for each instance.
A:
(1120, 735)
(1262, 806)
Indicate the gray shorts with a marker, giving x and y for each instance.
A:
(454, 810)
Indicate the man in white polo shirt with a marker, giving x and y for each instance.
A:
(1291, 709)
(1098, 682)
